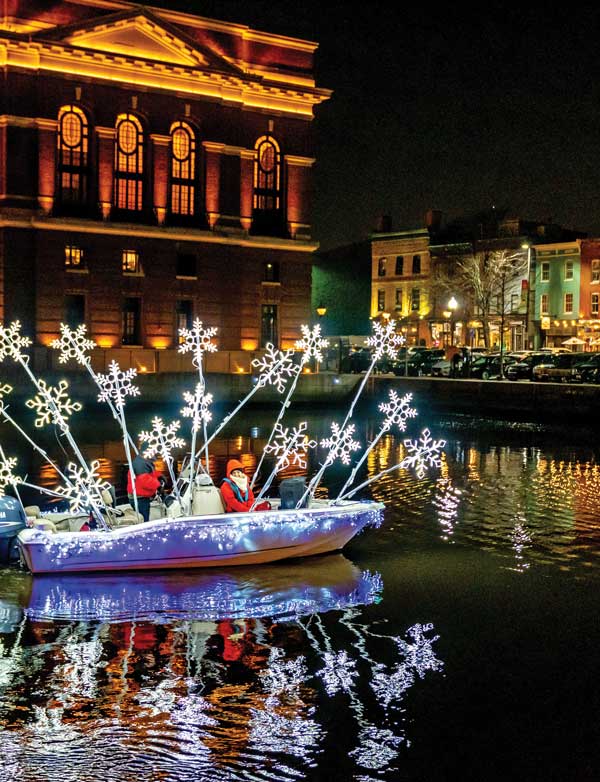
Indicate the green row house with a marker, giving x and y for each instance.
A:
(556, 286)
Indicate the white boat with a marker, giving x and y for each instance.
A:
(214, 540)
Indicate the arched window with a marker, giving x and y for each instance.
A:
(267, 175)
(73, 153)
(183, 169)
(129, 163)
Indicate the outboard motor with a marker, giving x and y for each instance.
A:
(12, 521)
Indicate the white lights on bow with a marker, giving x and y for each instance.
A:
(7, 476)
(311, 343)
(275, 367)
(11, 342)
(161, 439)
(73, 343)
(385, 340)
(86, 487)
(198, 407)
(423, 453)
(53, 405)
(198, 340)
(290, 448)
(116, 385)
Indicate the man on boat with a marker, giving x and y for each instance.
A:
(147, 482)
(237, 494)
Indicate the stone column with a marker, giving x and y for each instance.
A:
(46, 163)
(160, 148)
(246, 187)
(106, 165)
(299, 181)
(213, 152)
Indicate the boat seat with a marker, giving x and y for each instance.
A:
(32, 511)
(207, 501)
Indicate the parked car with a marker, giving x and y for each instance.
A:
(418, 362)
(523, 368)
(488, 367)
(560, 367)
(441, 368)
(590, 369)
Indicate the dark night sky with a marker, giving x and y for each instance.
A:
(448, 109)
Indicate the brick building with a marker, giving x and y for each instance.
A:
(154, 167)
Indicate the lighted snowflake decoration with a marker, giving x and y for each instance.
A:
(311, 343)
(197, 407)
(116, 385)
(4, 390)
(7, 476)
(53, 405)
(85, 487)
(290, 448)
(338, 673)
(418, 652)
(198, 340)
(275, 367)
(11, 342)
(161, 439)
(423, 453)
(73, 343)
(340, 444)
(283, 676)
(397, 411)
(385, 340)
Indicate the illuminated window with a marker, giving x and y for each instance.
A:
(73, 257)
(183, 169)
(415, 300)
(130, 262)
(381, 267)
(594, 308)
(568, 303)
(380, 301)
(568, 270)
(267, 175)
(544, 304)
(129, 163)
(72, 150)
(596, 271)
(545, 272)
(400, 265)
(131, 322)
(271, 272)
(416, 265)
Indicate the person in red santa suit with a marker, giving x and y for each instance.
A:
(147, 482)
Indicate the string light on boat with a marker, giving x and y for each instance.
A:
(53, 405)
(11, 342)
(385, 340)
(311, 343)
(290, 449)
(198, 407)
(161, 439)
(423, 453)
(397, 411)
(86, 487)
(7, 476)
(276, 367)
(198, 340)
(116, 385)
(340, 444)
(73, 344)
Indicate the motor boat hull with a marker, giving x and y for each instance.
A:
(200, 541)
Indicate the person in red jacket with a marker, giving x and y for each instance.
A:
(147, 482)
(236, 492)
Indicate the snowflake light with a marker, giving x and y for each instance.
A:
(397, 411)
(340, 444)
(11, 342)
(423, 453)
(5, 389)
(385, 340)
(73, 343)
(198, 340)
(161, 439)
(275, 367)
(311, 343)
(86, 487)
(197, 408)
(290, 449)
(116, 385)
(7, 477)
(53, 405)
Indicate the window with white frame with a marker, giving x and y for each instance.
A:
(594, 307)
(568, 304)
(544, 304)
(568, 270)
(596, 270)
(545, 271)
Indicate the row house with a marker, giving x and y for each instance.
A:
(155, 167)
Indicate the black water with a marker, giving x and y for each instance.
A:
(458, 641)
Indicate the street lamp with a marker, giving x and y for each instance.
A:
(452, 306)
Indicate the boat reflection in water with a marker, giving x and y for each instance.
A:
(270, 673)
